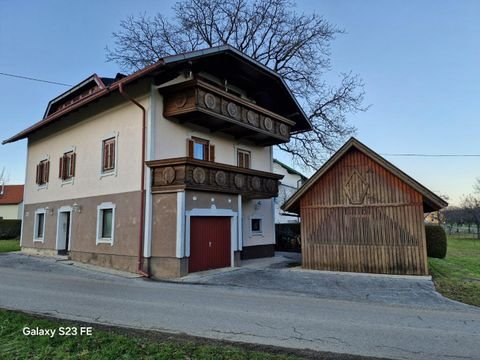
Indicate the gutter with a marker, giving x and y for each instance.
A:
(142, 185)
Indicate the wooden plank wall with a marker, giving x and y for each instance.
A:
(359, 217)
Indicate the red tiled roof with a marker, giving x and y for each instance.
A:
(12, 195)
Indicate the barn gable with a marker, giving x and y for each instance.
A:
(430, 201)
(359, 213)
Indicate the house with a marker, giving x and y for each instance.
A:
(292, 180)
(360, 213)
(164, 172)
(11, 199)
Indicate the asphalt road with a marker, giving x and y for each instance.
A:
(241, 314)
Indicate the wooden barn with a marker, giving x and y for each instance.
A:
(360, 213)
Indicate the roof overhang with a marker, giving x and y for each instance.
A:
(220, 58)
(431, 201)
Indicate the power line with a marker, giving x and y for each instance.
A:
(34, 79)
(434, 155)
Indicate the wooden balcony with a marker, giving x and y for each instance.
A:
(201, 103)
(186, 173)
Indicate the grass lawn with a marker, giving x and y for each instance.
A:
(108, 343)
(458, 275)
(9, 245)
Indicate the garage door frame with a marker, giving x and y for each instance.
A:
(214, 212)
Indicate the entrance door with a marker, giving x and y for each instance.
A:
(63, 232)
(209, 243)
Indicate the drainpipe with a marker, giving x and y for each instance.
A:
(142, 187)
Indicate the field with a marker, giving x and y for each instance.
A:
(458, 275)
(9, 245)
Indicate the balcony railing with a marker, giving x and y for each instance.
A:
(199, 102)
(186, 173)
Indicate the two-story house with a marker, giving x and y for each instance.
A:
(163, 172)
(289, 184)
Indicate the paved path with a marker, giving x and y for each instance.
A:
(241, 314)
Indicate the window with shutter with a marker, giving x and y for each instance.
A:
(108, 158)
(200, 149)
(243, 158)
(67, 166)
(43, 169)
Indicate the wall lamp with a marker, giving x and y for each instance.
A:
(76, 208)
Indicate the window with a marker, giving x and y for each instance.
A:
(39, 226)
(66, 169)
(243, 158)
(43, 170)
(256, 226)
(200, 149)
(105, 223)
(108, 158)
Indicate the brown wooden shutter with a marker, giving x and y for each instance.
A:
(240, 159)
(46, 170)
(112, 154)
(72, 164)
(37, 179)
(212, 153)
(190, 144)
(60, 168)
(105, 155)
(206, 152)
(247, 160)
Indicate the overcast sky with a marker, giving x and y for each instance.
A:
(420, 61)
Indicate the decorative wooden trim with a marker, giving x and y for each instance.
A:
(184, 173)
(196, 96)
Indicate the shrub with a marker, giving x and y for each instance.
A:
(10, 229)
(436, 241)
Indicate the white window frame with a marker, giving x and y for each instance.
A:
(35, 225)
(71, 180)
(114, 171)
(43, 186)
(100, 208)
(256, 233)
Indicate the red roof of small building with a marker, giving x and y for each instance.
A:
(11, 195)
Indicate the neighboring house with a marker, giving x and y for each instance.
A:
(432, 218)
(166, 171)
(11, 199)
(360, 213)
(291, 182)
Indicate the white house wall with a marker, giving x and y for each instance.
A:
(288, 186)
(9, 212)
(258, 208)
(86, 137)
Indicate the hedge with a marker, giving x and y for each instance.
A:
(10, 229)
(436, 241)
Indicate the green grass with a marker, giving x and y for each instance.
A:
(458, 275)
(108, 344)
(9, 245)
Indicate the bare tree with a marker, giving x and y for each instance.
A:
(476, 186)
(295, 45)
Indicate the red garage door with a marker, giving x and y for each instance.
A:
(209, 243)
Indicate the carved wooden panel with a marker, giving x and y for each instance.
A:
(208, 176)
(200, 97)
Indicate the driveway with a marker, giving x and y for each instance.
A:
(440, 330)
(282, 273)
